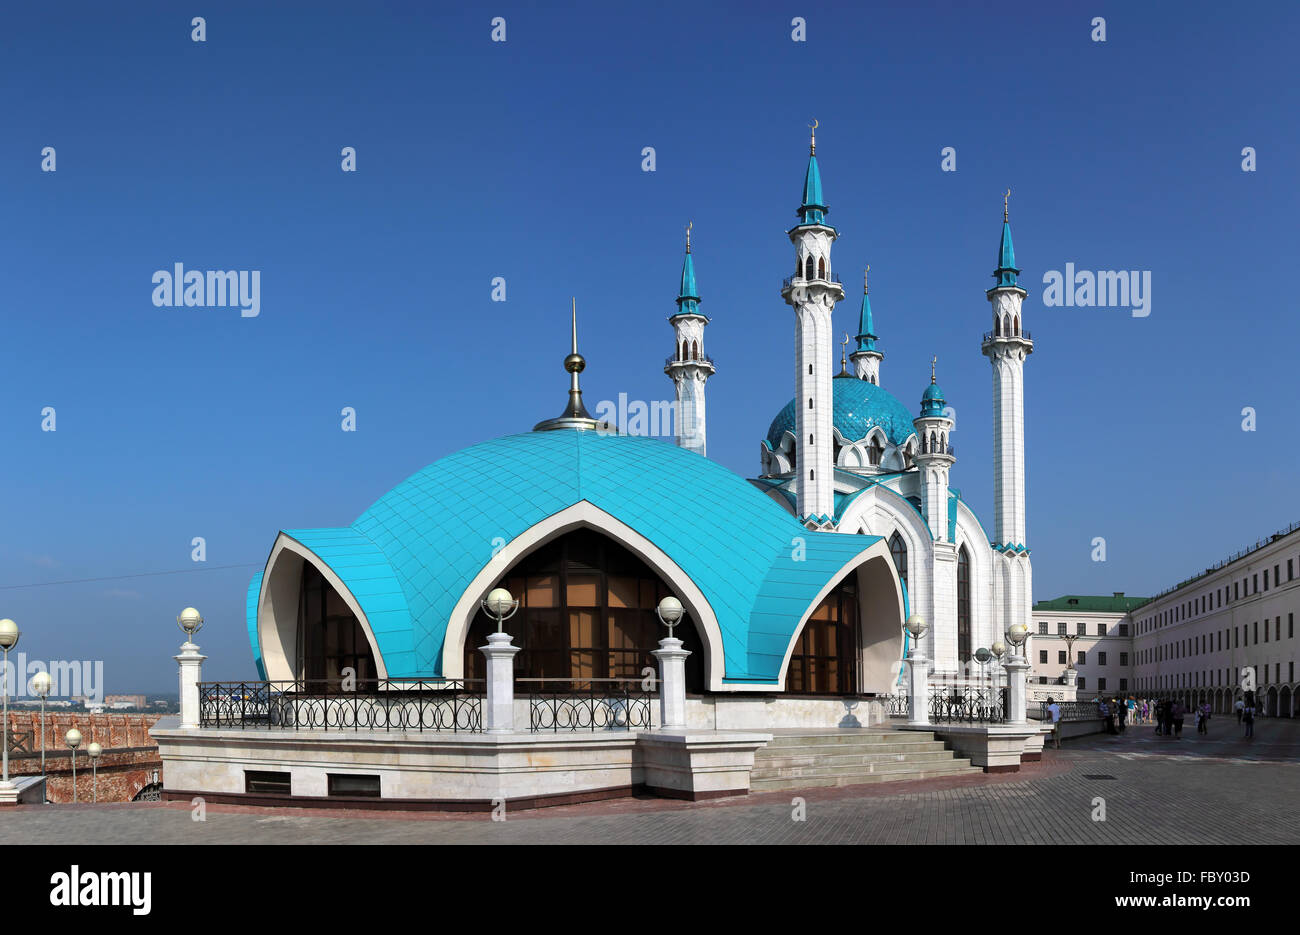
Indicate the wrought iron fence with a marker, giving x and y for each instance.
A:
(1070, 711)
(321, 704)
(898, 706)
(969, 705)
(588, 704)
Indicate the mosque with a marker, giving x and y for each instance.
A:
(795, 584)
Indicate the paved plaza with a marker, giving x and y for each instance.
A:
(1220, 789)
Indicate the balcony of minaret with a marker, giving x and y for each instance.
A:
(998, 337)
(818, 277)
(689, 356)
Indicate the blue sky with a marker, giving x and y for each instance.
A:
(523, 160)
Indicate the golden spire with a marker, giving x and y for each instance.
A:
(865, 274)
(1005, 198)
(812, 147)
(844, 365)
(933, 361)
(688, 235)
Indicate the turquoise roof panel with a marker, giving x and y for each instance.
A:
(250, 616)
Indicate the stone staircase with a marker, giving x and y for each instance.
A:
(807, 759)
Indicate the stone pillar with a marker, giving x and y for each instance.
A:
(672, 683)
(499, 713)
(1016, 690)
(918, 687)
(191, 663)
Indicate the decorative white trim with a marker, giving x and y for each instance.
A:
(272, 631)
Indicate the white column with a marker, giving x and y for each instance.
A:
(499, 713)
(1016, 690)
(191, 673)
(918, 687)
(672, 683)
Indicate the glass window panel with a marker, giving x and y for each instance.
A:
(542, 591)
(623, 591)
(584, 591)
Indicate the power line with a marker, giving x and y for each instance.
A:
(143, 574)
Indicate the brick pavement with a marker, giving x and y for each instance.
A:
(1216, 790)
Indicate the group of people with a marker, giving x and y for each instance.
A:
(1167, 714)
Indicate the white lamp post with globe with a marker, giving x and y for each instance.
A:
(8, 640)
(93, 751)
(918, 674)
(500, 654)
(1016, 667)
(672, 667)
(191, 663)
(73, 737)
(41, 685)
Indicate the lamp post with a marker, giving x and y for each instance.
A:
(93, 751)
(8, 640)
(191, 667)
(500, 656)
(1071, 673)
(672, 667)
(918, 676)
(41, 685)
(73, 737)
(1017, 633)
(999, 649)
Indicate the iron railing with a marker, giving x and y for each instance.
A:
(990, 336)
(789, 280)
(1070, 711)
(321, 704)
(588, 704)
(968, 705)
(698, 359)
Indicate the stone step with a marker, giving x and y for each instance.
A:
(813, 761)
(947, 769)
(848, 737)
(917, 761)
(839, 749)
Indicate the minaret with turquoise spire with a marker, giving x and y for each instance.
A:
(1006, 347)
(934, 459)
(689, 367)
(866, 359)
(812, 292)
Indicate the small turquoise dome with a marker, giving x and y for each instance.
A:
(859, 407)
(932, 401)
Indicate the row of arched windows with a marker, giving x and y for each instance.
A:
(810, 271)
(1007, 326)
(688, 350)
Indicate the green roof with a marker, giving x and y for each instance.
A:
(1117, 603)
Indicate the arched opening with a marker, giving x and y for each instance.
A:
(808, 268)
(875, 452)
(825, 656)
(330, 638)
(898, 551)
(963, 605)
(821, 267)
(695, 350)
(586, 611)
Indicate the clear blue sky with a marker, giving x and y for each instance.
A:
(479, 159)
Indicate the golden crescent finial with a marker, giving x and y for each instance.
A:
(812, 147)
(865, 280)
(689, 225)
(1005, 199)
(933, 361)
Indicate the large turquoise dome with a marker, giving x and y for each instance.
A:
(859, 407)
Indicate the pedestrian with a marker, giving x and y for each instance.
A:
(1178, 712)
(1121, 712)
(1239, 707)
(1248, 717)
(1203, 719)
(1160, 715)
(1054, 712)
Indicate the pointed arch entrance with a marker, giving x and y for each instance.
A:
(586, 611)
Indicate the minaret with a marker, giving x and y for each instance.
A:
(812, 292)
(866, 359)
(689, 368)
(1006, 347)
(934, 458)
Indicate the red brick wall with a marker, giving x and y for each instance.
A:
(129, 762)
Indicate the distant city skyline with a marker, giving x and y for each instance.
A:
(1162, 427)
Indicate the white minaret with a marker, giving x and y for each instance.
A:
(812, 292)
(1006, 347)
(934, 458)
(689, 368)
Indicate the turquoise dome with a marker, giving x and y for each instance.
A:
(859, 407)
(409, 558)
(932, 401)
